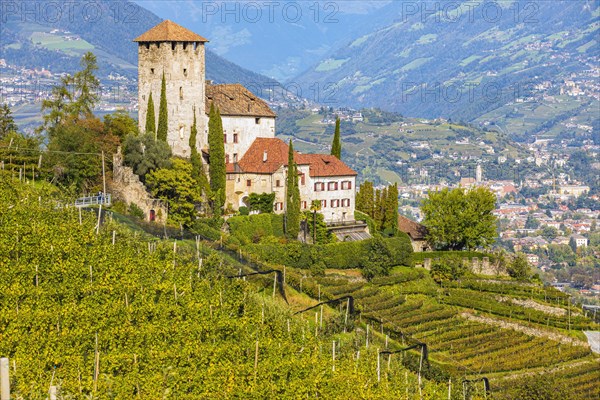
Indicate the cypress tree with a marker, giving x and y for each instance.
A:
(218, 177)
(336, 146)
(292, 212)
(391, 209)
(196, 159)
(150, 117)
(365, 198)
(163, 113)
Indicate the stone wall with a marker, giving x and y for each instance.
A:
(480, 266)
(127, 187)
(184, 69)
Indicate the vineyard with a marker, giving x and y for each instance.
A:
(110, 314)
(474, 332)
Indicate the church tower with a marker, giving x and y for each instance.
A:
(178, 53)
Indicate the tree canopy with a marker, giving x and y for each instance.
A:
(459, 219)
(336, 146)
(292, 211)
(216, 145)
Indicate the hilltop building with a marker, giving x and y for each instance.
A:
(256, 161)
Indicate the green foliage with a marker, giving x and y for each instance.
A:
(150, 117)
(381, 206)
(163, 113)
(176, 187)
(120, 124)
(378, 260)
(196, 159)
(292, 190)
(7, 122)
(262, 203)
(218, 175)
(243, 210)
(253, 228)
(459, 220)
(448, 269)
(336, 146)
(75, 158)
(323, 235)
(338, 255)
(519, 267)
(87, 86)
(74, 98)
(145, 154)
(135, 211)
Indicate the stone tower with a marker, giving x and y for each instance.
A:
(479, 174)
(178, 53)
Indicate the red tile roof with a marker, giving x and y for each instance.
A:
(169, 31)
(235, 99)
(267, 155)
(322, 165)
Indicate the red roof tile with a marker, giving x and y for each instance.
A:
(267, 155)
(169, 31)
(322, 165)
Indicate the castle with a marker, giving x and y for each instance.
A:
(256, 160)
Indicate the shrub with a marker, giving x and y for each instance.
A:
(244, 210)
(136, 212)
(448, 269)
(261, 202)
(253, 228)
(378, 259)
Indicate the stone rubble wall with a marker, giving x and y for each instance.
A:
(126, 186)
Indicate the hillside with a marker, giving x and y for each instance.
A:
(57, 41)
(461, 61)
(119, 314)
(387, 147)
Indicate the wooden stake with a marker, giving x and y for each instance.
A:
(333, 357)
(378, 366)
(4, 379)
(79, 215)
(114, 236)
(321, 318)
(367, 341)
(256, 361)
(99, 215)
(274, 284)
(52, 392)
(449, 388)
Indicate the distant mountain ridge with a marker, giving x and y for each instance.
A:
(108, 26)
(493, 52)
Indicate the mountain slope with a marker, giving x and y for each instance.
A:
(461, 61)
(56, 42)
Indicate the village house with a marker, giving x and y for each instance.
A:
(256, 161)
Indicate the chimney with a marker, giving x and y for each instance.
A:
(265, 156)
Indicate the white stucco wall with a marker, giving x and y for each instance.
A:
(247, 131)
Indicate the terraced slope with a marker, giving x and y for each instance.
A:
(503, 330)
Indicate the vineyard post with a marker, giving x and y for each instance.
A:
(386, 341)
(449, 388)
(420, 366)
(321, 318)
(255, 361)
(99, 216)
(79, 208)
(52, 392)
(103, 177)
(4, 379)
(274, 284)
(319, 293)
(346, 316)
(113, 238)
(96, 366)
(333, 357)
(367, 340)
(316, 324)
(378, 366)
(36, 276)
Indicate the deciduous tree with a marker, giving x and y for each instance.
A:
(459, 220)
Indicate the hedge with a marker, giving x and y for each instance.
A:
(251, 228)
(340, 255)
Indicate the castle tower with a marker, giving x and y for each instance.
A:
(178, 53)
